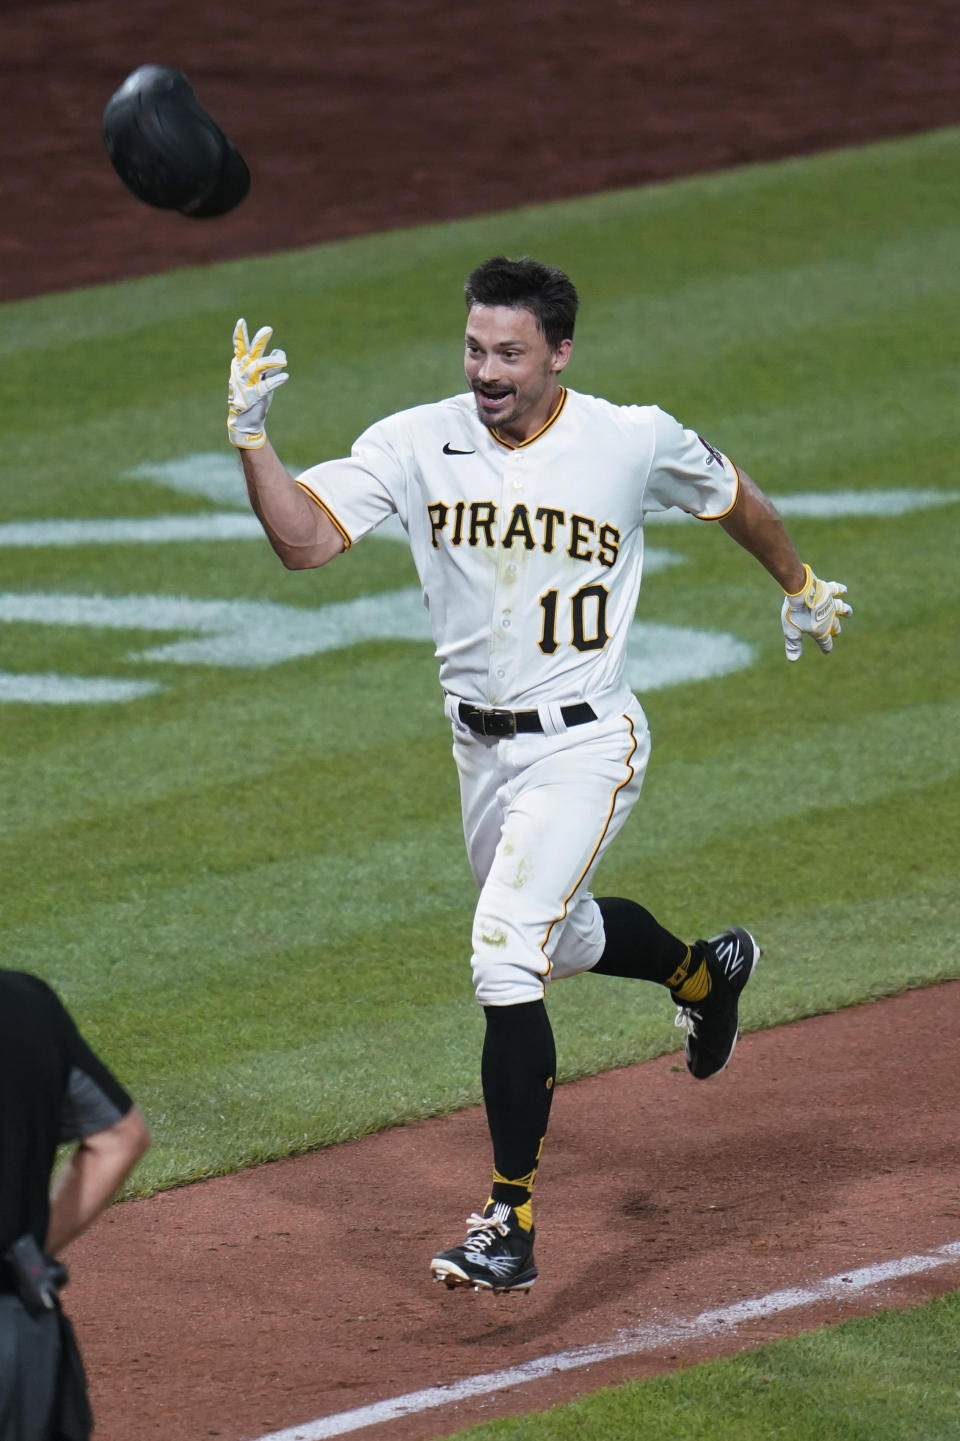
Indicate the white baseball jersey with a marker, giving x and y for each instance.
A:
(529, 556)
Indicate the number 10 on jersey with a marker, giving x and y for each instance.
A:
(588, 619)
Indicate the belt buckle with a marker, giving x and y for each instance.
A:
(501, 724)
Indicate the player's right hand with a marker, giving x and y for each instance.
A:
(254, 376)
(813, 610)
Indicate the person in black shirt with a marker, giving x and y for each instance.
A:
(53, 1089)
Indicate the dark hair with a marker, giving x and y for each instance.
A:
(529, 285)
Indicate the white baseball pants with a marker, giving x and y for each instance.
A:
(538, 813)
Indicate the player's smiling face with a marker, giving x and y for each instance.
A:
(511, 369)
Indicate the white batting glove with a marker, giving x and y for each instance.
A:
(253, 379)
(812, 610)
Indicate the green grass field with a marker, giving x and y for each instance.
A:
(231, 832)
(887, 1378)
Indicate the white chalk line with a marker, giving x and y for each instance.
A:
(632, 1342)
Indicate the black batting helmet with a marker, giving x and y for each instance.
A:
(168, 150)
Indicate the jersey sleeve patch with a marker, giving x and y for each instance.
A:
(710, 449)
(729, 465)
(689, 473)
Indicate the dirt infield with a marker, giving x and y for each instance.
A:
(299, 1290)
(360, 117)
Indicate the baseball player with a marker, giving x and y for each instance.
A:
(524, 503)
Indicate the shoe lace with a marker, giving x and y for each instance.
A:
(482, 1229)
(686, 1019)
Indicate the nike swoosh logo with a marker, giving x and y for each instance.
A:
(449, 450)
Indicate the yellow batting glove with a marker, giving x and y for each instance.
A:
(254, 376)
(813, 610)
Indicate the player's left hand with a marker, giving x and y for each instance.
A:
(254, 376)
(814, 610)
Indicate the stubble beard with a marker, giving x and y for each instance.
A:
(493, 422)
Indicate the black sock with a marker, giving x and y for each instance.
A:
(517, 1071)
(638, 946)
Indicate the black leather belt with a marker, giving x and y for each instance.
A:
(505, 723)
